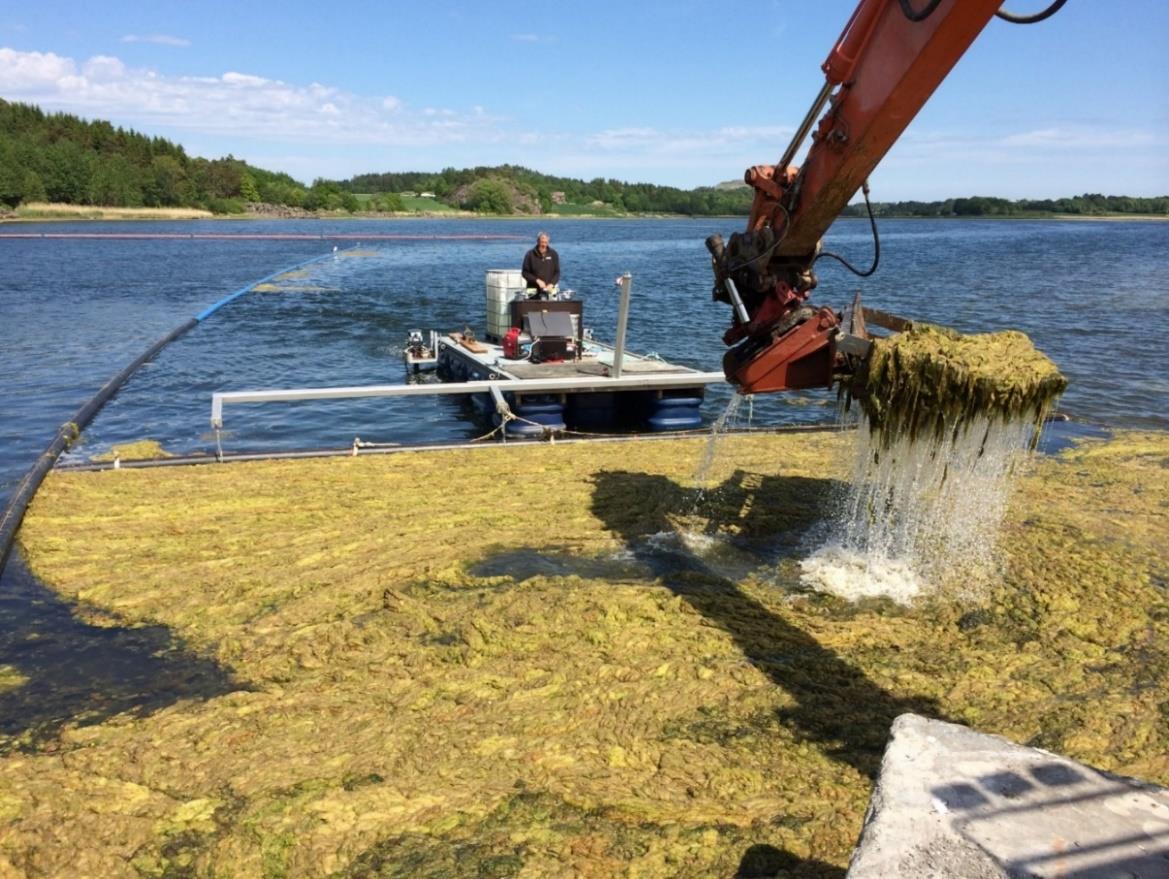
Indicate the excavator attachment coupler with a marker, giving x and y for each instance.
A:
(821, 349)
(788, 360)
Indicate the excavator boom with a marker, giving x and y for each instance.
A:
(889, 60)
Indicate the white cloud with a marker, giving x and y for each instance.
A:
(624, 138)
(244, 79)
(1043, 162)
(157, 39)
(232, 103)
(1023, 145)
(533, 38)
(716, 141)
(103, 68)
(1078, 139)
(234, 106)
(330, 129)
(28, 71)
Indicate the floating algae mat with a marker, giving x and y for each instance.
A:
(947, 419)
(320, 277)
(142, 450)
(293, 288)
(401, 705)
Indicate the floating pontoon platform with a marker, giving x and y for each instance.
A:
(595, 388)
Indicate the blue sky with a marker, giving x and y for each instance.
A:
(681, 93)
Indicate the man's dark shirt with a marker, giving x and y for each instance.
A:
(546, 267)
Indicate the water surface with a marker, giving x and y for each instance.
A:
(1091, 294)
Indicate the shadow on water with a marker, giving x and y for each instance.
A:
(525, 562)
(836, 705)
(60, 669)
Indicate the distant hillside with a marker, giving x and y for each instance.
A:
(508, 189)
(57, 157)
(62, 158)
(1089, 204)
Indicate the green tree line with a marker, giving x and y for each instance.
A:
(62, 158)
(1088, 205)
(466, 188)
(58, 157)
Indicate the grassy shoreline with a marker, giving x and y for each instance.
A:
(37, 212)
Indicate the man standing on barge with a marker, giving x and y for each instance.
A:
(541, 268)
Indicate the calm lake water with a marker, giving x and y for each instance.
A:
(1092, 295)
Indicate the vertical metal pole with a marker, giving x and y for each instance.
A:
(625, 282)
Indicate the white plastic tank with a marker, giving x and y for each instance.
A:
(502, 286)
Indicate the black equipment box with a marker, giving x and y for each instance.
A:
(546, 350)
(551, 332)
(523, 307)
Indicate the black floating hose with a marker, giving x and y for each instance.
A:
(69, 431)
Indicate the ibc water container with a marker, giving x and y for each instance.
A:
(503, 284)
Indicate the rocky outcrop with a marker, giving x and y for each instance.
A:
(521, 202)
(277, 211)
(952, 802)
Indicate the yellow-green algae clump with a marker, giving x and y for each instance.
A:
(929, 380)
(142, 450)
(476, 663)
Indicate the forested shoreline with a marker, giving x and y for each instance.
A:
(63, 159)
(1089, 204)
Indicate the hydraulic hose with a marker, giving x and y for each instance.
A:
(69, 431)
(876, 243)
(915, 16)
(1031, 19)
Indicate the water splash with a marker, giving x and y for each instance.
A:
(718, 430)
(853, 574)
(921, 513)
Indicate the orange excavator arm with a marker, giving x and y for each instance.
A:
(889, 60)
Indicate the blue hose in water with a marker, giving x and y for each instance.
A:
(231, 297)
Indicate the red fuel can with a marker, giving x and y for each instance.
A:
(511, 344)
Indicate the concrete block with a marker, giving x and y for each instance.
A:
(952, 802)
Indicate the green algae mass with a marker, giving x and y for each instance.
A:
(142, 450)
(443, 670)
(930, 380)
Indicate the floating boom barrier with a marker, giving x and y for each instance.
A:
(253, 236)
